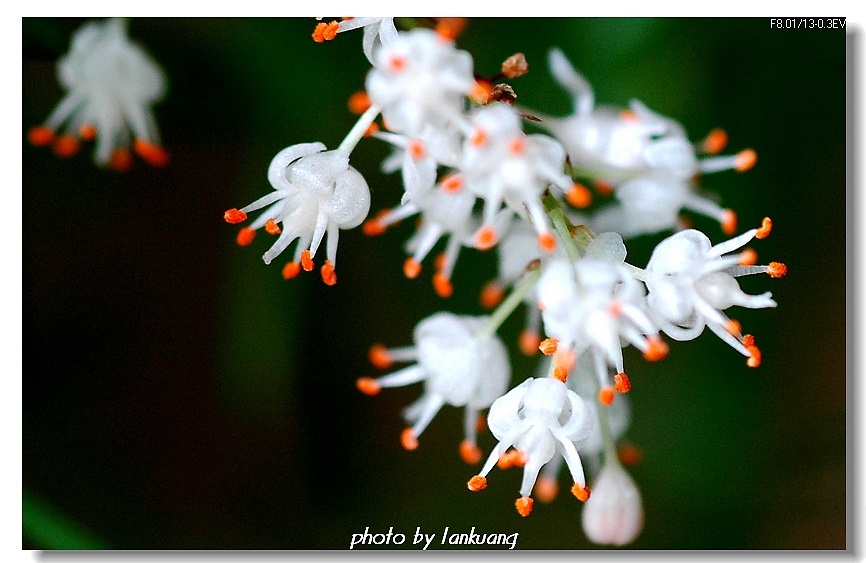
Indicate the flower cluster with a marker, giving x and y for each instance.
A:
(480, 172)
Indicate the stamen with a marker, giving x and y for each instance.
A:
(408, 439)
(745, 160)
(325, 31)
(580, 493)
(622, 382)
(415, 148)
(439, 262)
(524, 506)
(606, 396)
(291, 269)
(548, 346)
(481, 93)
(629, 455)
(547, 242)
(529, 342)
(152, 154)
(729, 222)
(754, 353)
(776, 269)
(656, 349)
(563, 362)
(329, 276)
(371, 129)
(452, 183)
(442, 285)
(715, 142)
(579, 196)
(40, 136)
(65, 146)
(87, 132)
(234, 216)
(628, 115)
(478, 138)
(614, 309)
(511, 458)
(359, 102)
(546, 488)
(481, 423)
(515, 66)
(246, 236)
(748, 257)
(517, 145)
(396, 63)
(485, 238)
(469, 452)
(411, 268)
(372, 227)
(734, 327)
(368, 386)
(766, 227)
(491, 295)
(450, 28)
(379, 357)
(272, 228)
(603, 187)
(306, 261)
(477, 483)
(121, 160)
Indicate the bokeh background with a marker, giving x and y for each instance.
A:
(179, 394)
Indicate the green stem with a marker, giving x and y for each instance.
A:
(511, 302)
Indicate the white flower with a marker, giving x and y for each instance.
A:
(420, 78)
(316, 193)
(538, 417)
(458, 367)
(691, 282)
(111, 87)
(614, 513)
(377, 31)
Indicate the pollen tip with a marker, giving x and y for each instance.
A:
(359, 102)
(629, 455)
(87, 132)
(748, 257)
(120, 161)
(485, 238)
(368, 386)
(291, 269)
(517, 145)
(729, 222)
(150, 153)
(234, 216)
(764, 230)
(656, 349)
(777, 269)
(745, 160)
(452, 183)
(622, 383)
(481, 93)
(548, 346)
(306, 261)
(491, 295)
(469, 452)
(372, 227)
(716, 141)
(246, 236)
(371, 129)
(529, 342)
(449, 28)
(442, 285)
(604, 187)
(40, 136)
(560, 374)
(329, 276)
(546, 488)
(411, 268)
(478, 138)
(272, 228)
(511, 458)
(580, 492)
(734, 327)
(325, 31)
(524, 506)
(547, 241)
(606, 396)
(415, 148)
(477, 483)
(579, 196)
(379, 357)
(65, 146)
(408, 439)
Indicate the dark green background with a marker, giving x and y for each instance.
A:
(179, 394)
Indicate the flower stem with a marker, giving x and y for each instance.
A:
(357, 132)
(511, 302)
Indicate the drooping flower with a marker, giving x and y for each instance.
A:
(377, 31)
(614, 513)
(538, 417)
(458, 365)
(111, 85)
(316, 192)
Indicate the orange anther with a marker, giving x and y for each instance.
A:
(656, 349)
(439, 262)
(491, 295)
(150, 153)
(325, 31)
(748, 340)
(628, 115)
(547, 242)
(469, 452)
(372, 227)
(481, 423)
(548, 346)
(411, 268)
(452, 183)
(87, 132)
(379, 357)
(517, 145)
(290, 270)
(748, 257)
(481, 92)
(359, 102)
(415, 148)
(40, 136)
(234, 216)
(396, 63)
(529, 342)
(604, 187)
(606, 396)
(629, 455)
(408, 439)
(523, 506)
(563, 361)
(121, 160)
(622, 383)
(734, 327)
(766, 227)
(581, 493)
(450, 28)
(511, 458)
(65, 146)
(329, 276)
(372, 128)
(560, 374)
(485, 238)
(715, 141)
(477, 483)
(729, 222)
(306, 261)
(442, 285)
(246, 236)
(478, 138)
(272, 228)
(546, 488)
(614, 309)
(368, 386)
(579, 196)
(515, 66)
(776, 269)
(745, 160)
(754, 353)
